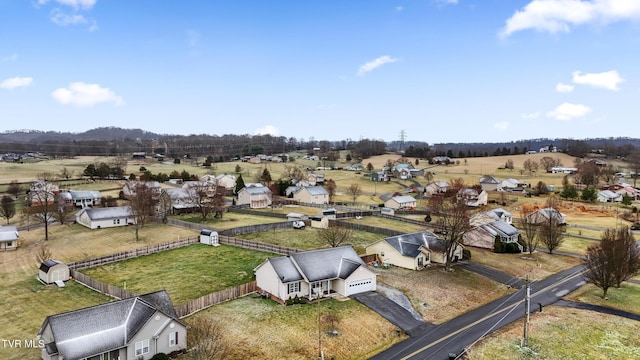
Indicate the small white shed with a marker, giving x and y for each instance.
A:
(329, 213)
(53, 270)
(209, 237)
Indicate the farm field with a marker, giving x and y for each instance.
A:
(186, 273)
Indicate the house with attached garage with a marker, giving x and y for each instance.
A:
(129, 190)
(257, 196)
(489, 183)
(8, 238)
(128, 329)
(98, 218)
(413, 251)
(512, 184)
(316, 273)
(176, 201)
(401, 202)
(315, 179)
(436, 187)
(545, 215)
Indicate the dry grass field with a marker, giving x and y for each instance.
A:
(564, 333)
(537, 266)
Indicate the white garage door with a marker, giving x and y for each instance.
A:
(358, 286)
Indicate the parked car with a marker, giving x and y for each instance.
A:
(298, 224)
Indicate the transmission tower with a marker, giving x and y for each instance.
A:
(402, 137)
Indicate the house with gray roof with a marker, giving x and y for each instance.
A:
(489, 183)
(315, 273)
(436, 187)
(175, 201)
(8, 238)
(315, 179)
(413, 251)
(98, 218)
(401, 202)
(489, 226)
(545, 215)
(81, 198)
(134, 328)
(257, 196)
(609, 196)
(309, 194)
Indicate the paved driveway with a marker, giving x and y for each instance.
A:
(388, 309)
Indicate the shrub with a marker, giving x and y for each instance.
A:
(498, 245)
(160, 356)
(466, 254)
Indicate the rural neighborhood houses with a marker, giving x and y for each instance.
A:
(547, 214)
(315, 273)
(488, 226)
(81, 198)
(316, 195)
(129, 329)
(413, 251)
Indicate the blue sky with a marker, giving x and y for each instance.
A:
(441, 70)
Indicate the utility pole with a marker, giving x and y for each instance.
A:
(527, 303)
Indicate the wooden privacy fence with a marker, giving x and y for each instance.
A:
(214, 298)
(371, 229)
(107, 259)
(255, 245)
(108, 289)
(249, 229)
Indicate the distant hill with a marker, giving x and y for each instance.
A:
(102, 133)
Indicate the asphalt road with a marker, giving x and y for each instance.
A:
(457, 334)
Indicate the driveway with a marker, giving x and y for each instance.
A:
(390, 310)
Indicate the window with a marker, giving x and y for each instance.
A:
(142, 347)
(173, 338)
(9, 243)
(294, 287)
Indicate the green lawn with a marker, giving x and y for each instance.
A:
(308, 238)
(185, 273)
(626, 298)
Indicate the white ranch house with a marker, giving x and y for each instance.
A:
(98, 218)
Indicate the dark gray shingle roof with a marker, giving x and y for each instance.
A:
(409, 244)
(315, 265)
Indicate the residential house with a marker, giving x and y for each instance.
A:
(98, 218)
(489, 183)
(609, 196)
(43, 192)
(176, 201)
(472, 197)
(402, 171)
(512, 184)
(441, 160)
(227, 181)
(596, 162)
(544, 215)
(81, 198)
(315, 179)
(413, 251)
(51, 271)
(628, 190)
(436, 187)
(139, 155)
(255, 195)
(563, 170)
(310, 194)
(379, 176)
(199, 186)
(488, 226)
(8, 238)
(128, 329)
(315, 273)
(401, 202)
(129, 189)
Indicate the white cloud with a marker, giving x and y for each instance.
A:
(501, 125)
(63, 19)
(568, 111)
(608, 80)
(564, 88)
(193, 37)
(16, 82)
(534, 115)
(267, 130)
(373, 64)
(12, 57)
(77, 4)
(84, 95)
(560, 15)
(399, 8)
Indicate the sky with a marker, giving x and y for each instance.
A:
(434, 70)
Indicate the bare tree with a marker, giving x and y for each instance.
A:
(142, 205)
(14, 188)
(530, 166)
(7, 207)
(615, 259)
(63, 209)
(42, 202)
(43, 254)
(453, 219)
(529, 228)
(335, 235)
(206, 340)
(547, 163)
(330, 186)
(218, 202)
(551, 231)
(65, 173)
(201, 196)
(354, 190)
